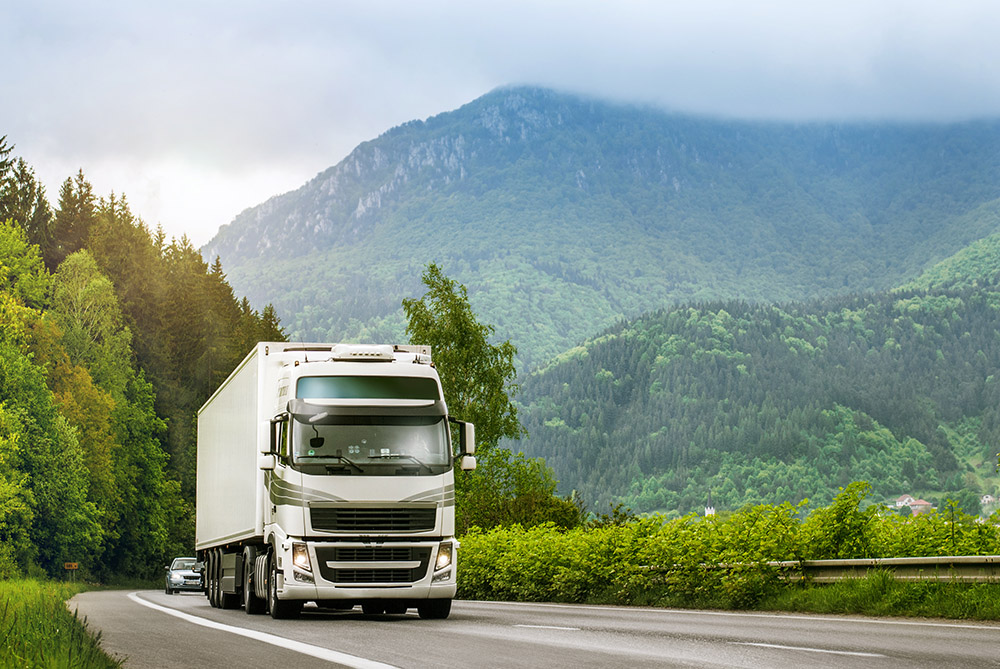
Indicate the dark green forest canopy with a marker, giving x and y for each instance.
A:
(759, 403)
(563, 215)
(110, 339)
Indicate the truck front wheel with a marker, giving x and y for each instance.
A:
(279, 609)
(435, 609)
(252, 604)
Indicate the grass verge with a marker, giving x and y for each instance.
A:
(879, 594)
(37, 630)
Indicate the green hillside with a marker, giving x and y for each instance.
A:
(763, 403)
(564, 215)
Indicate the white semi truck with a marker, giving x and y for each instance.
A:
(325, 475)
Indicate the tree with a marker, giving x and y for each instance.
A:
(478, 377)
(22, 198)
(74, 219)
(478, 381)
(45, 482)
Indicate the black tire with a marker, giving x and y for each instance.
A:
(213, 592)
(168, 590)
(434, 609)
(252, 604)
(279, 609)
(372, 608)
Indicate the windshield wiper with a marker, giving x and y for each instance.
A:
(405, 456)
(341, 458)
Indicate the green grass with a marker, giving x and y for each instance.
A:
(879, 594)
(37, 630)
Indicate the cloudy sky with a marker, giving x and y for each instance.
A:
(198, 109)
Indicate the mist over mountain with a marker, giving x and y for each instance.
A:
(564, 215)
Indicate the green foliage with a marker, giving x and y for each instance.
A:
(762, 404)
(129, 335)
(510, 489)
(478, 382)
(879, 594)
(38, 630)
(477, 376)
(715, 561)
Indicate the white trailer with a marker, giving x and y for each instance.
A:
(325, 474)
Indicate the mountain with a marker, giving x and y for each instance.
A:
(765, 403)
(564, 215)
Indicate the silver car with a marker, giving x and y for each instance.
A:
(184, 573)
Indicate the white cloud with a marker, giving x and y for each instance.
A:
(197, 110)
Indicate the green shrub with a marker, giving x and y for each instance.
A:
(724, 562)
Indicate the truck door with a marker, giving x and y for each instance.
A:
(285, 507)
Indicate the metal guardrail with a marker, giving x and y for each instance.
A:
(966, 568)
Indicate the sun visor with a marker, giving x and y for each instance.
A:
(308, 412)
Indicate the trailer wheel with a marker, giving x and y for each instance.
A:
(279, 609)
(252, 604)
(434, 609)
(212, 580)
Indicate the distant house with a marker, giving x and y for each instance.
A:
(987, 499)
(919, 506)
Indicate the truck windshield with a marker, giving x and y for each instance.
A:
(371, 445)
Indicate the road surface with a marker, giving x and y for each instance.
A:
(152, 629)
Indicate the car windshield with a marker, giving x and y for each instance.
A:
(372, 444)
(183, 563)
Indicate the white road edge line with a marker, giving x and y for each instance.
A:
(550, 627)
(687, 612)
(297, 646)
(808, 650)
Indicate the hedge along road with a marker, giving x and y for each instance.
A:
(152, 629)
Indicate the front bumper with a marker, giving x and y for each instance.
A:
(361, 571)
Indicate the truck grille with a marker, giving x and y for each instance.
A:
(331, 519)
(365, 572)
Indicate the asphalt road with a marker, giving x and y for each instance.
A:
(152, 629)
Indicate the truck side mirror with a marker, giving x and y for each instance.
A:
(467, 463)
(273, 446)
(266, 461)
(466, 437)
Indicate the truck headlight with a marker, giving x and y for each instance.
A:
(444, 556)
(300, 556)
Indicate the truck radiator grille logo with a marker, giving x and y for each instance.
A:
(372, 521)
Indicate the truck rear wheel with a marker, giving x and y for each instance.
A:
(434, 609)
(211, 567)
(279, 609)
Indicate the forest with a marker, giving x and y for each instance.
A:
(735, 403)
(111, 337)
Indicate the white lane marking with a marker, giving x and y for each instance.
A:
(550, 627)
(987, 626)
(808, 650)
(297, 646)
